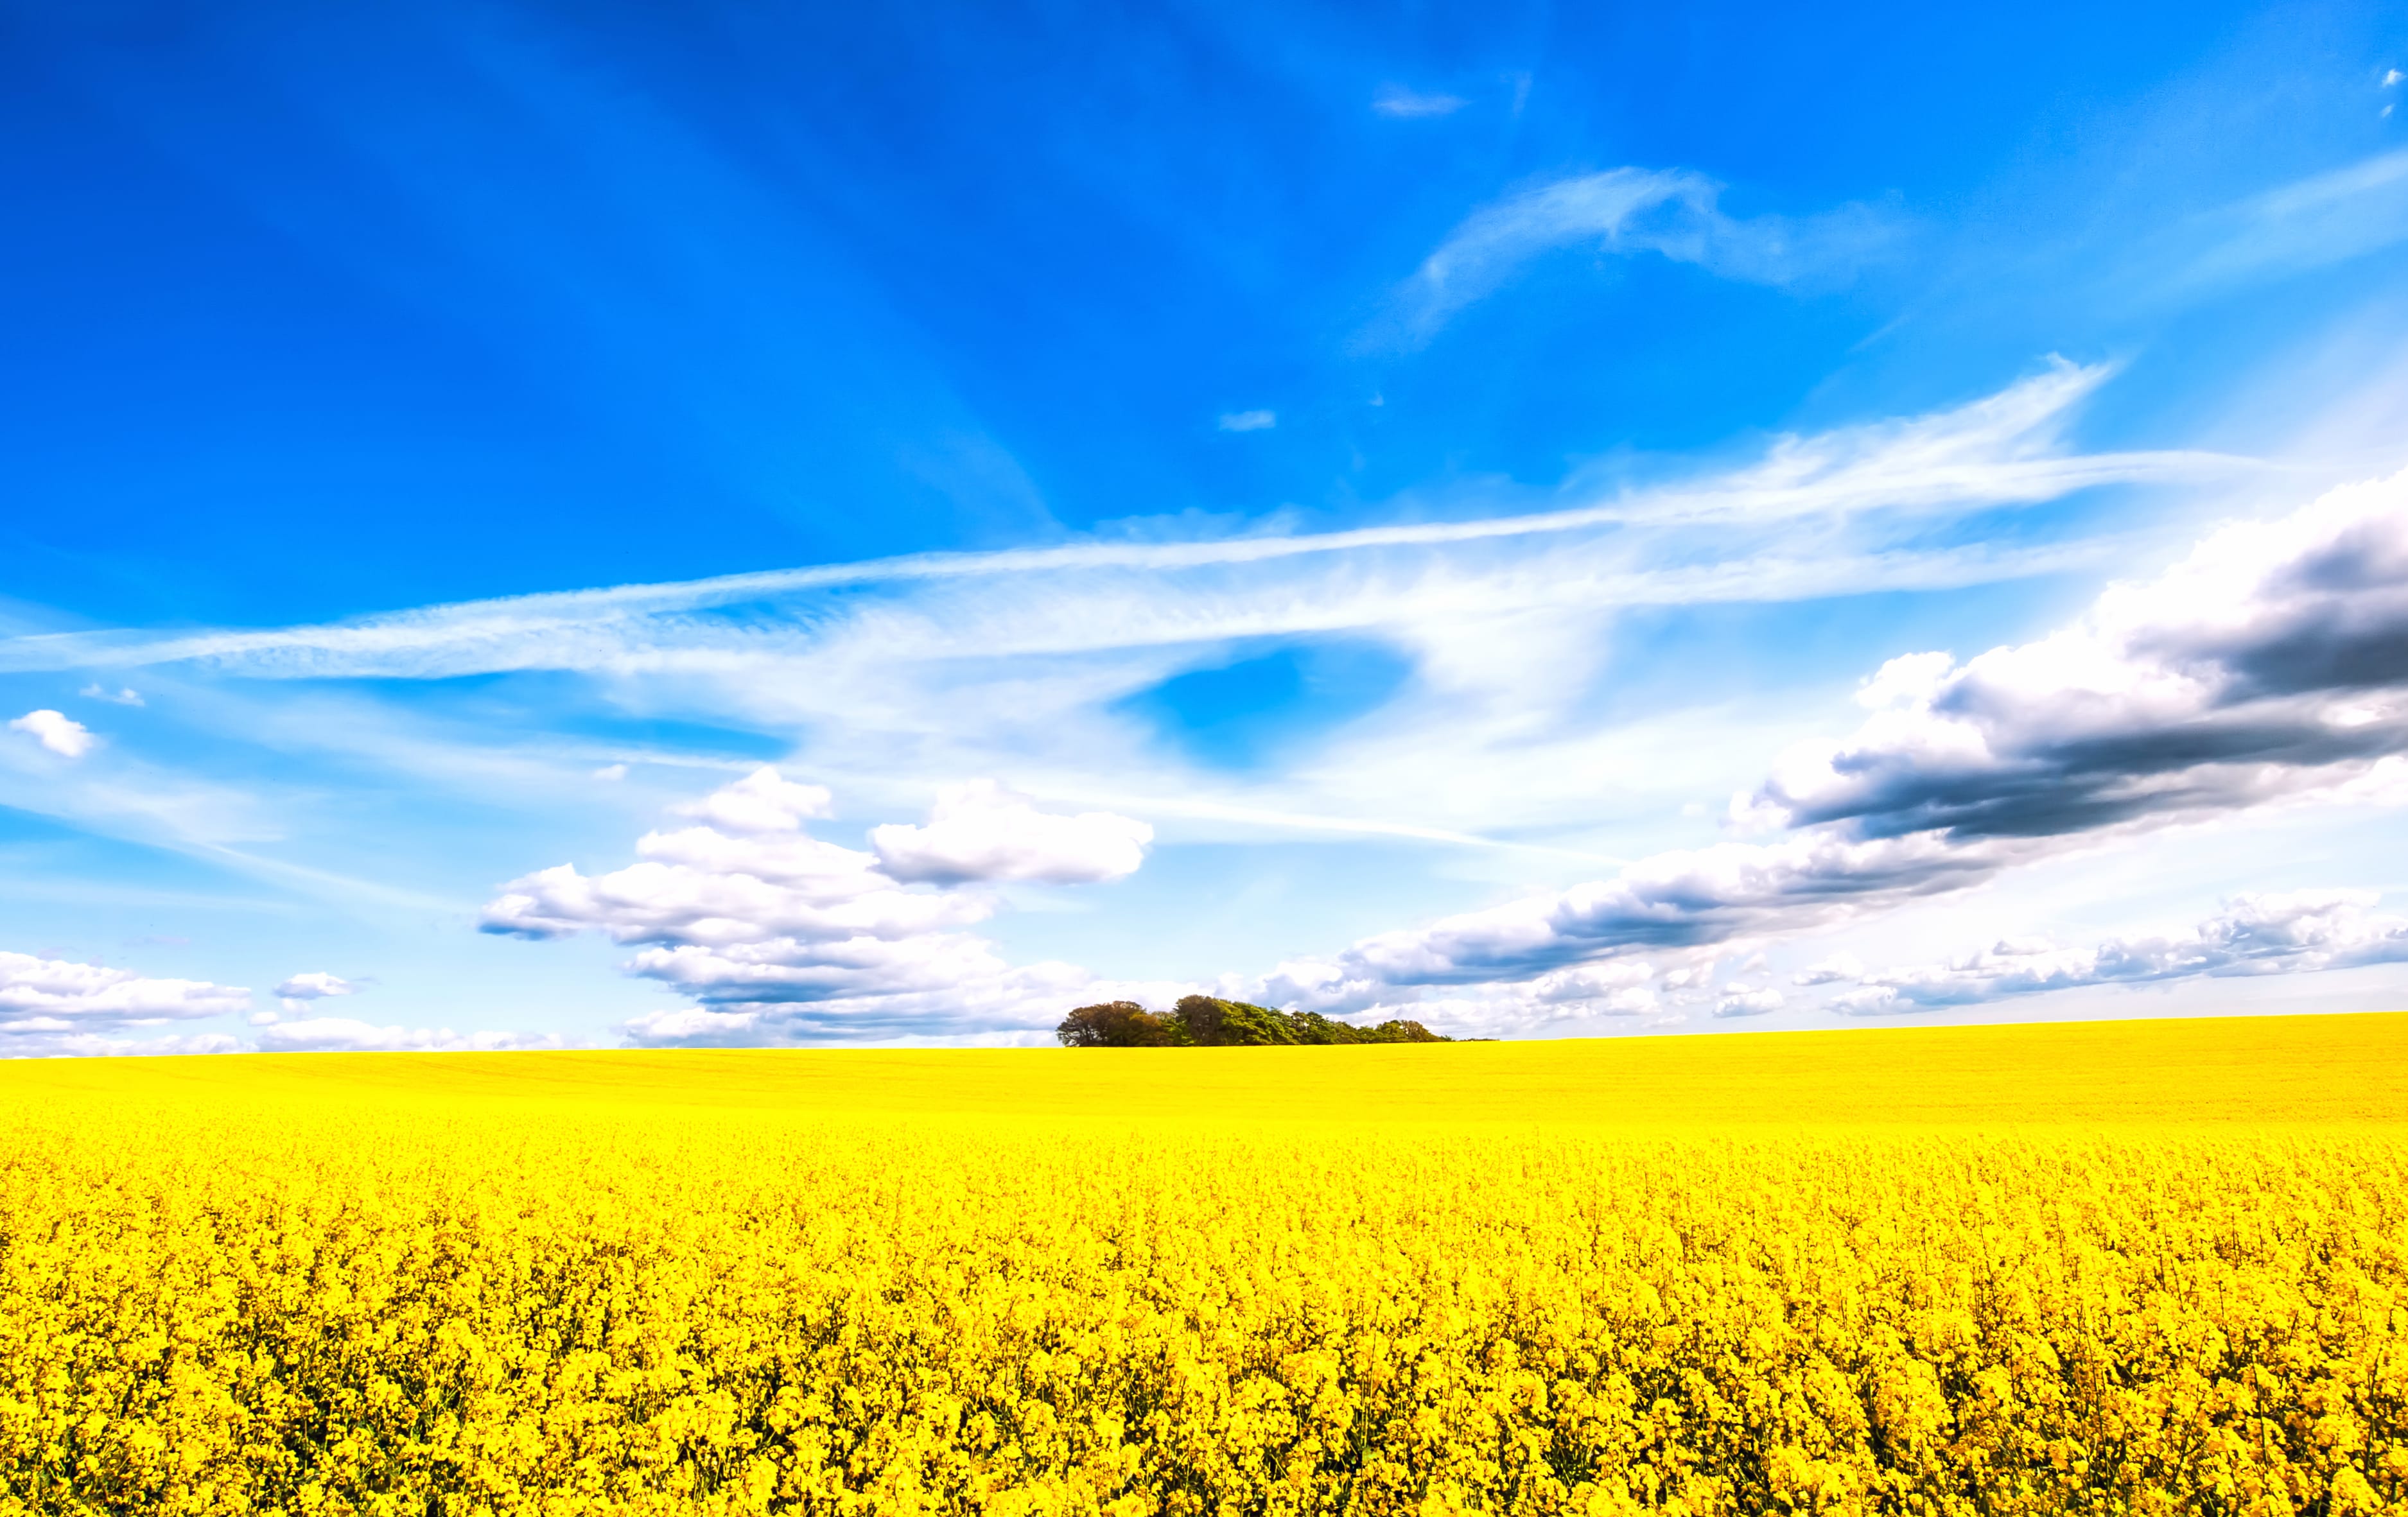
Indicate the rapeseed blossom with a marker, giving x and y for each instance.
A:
(354, 1298)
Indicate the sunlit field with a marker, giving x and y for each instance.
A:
(2141, 1266)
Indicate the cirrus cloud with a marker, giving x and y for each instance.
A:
(1397, 101)
(1671, 212)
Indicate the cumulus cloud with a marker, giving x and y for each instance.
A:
(299, 991)
(313, 985)
(56, 988)
(2272, 660)
(749, 873)
(700, 886)
(1690, 898)
(97, 1046)
(1620, 989)
(339, 1035)
(778, 936)
(52, 1005)
(982, 831)
(762, 801)
(2268, 665)
(2295, 933)
(59, 733)
(1742, 1001)
(125, 695)
(1674, 213)
(782, 993)
(1624, 990)
(1837, 968)
(1249, 420)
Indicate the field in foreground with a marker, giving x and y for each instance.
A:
(2154, 1267)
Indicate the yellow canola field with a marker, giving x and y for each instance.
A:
(2129, 1267)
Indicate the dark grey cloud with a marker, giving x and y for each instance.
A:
(2270, 664)
(2274, 658)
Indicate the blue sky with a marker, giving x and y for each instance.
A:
(748, 524)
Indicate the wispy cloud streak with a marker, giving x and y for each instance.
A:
(1674, 213)
(2005, 450)
(1397, 100)
(2313, 222)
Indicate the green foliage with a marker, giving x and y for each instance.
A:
(1208, 1021)
(1118, 1025)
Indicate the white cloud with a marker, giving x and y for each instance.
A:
(1615, 990)
(2296, 933)
(612, 771)
(299, 991)
(1689, 898)
(56, 988)
(782, 991)
(334, 1035)
(52, 1005)
(1742, 1001)
(723, 901)
(1249, 420)
(1674, 213)
(762, 801)
(124, 697)
(1837, 969)
(316, 983)
(62, 735)
(1397, 100)
(1311, 985)
(982, 831)
(778, 936)
(2392, 77)
(94, 1046)
(1620, 986)
(2268, 665)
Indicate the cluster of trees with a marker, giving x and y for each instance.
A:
(1207, 1022)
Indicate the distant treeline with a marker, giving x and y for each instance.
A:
(1207, 1022)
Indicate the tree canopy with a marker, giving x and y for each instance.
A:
(1208, 1021)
